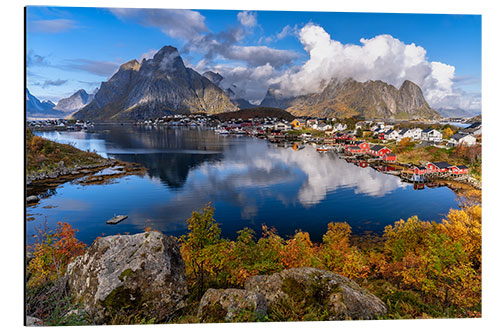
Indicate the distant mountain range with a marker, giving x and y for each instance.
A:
(154, 88)
(65, 107)
(347, 98)
(163, 86)
(74, 102)
(456, 113)
(37, 108)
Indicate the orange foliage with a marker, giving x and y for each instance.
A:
(52, 253)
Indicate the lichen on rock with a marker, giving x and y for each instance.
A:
(123, 275)
(226, 305)
(328, 295)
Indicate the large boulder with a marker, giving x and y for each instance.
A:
(123, 275)
(331, 295)
(219, 305)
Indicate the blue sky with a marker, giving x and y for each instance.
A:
(73, 48)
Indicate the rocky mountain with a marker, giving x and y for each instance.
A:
(156, 87)
(74, 102)
(39, 109)
(346, 98)
(216, 79)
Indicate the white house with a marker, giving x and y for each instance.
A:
(462, 138)
(392, 135)
(282, 126)
(416, 133)
(322, 127)
(311, 122)
(340, 127)
(474, 129)
(432, 135)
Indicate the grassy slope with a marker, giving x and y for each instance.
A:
(44, 155)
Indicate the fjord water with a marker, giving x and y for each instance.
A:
(249, 181)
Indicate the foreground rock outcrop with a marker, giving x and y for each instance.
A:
(123, 275)
(219, 305)
(339, 296)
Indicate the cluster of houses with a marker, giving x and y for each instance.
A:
(335, 133)
(376, 129)
(59, 125)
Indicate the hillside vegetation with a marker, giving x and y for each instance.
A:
(45, 156)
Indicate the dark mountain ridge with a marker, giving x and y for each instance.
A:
(154, 88)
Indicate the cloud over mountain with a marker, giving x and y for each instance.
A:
(379, 58)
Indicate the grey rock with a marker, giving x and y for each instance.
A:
(33, 321)
(129, 275)
(340, 296)
(219, 305)
(32, 198)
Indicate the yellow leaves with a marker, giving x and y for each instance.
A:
(298, 251)
(447, 133)
(464, 226)
(52, 253)
(442, 260)
(439, 260)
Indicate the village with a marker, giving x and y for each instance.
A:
(361, 142)
(59, 125)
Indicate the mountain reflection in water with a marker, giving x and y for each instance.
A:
(249, 181)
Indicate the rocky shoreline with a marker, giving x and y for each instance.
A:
(97, 173)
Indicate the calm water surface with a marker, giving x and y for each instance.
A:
(249, 181)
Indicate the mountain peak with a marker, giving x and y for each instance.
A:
(407, 84)
(216, 78)
(132, 64)
(156, 87)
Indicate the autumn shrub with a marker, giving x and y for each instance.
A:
(435, 268)
(52, 253)
(438, 260)
(199, 246)
(337, 254)
(299, 251)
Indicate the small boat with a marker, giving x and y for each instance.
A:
(116, 219)
(323, 148)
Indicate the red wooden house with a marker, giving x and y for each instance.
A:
(378, 150)
(389, 157)
(418, 170)
(439, 167)
(459, 170)
(354, 149)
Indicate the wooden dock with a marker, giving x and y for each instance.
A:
(116, 219)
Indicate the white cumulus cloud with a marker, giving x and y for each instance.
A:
(379, 58)
(247, 19)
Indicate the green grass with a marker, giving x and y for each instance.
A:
(43, 155)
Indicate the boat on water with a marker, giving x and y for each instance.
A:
(116, 219)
